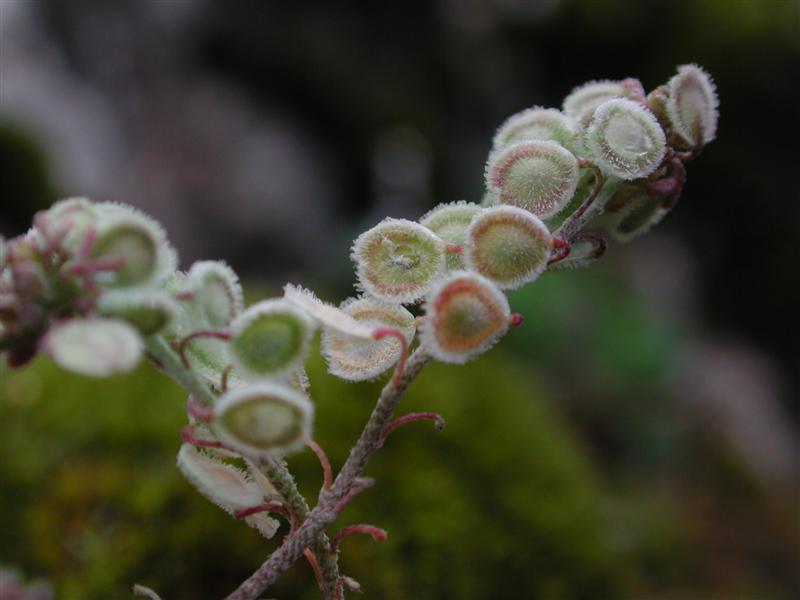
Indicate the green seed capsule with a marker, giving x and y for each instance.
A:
(449, 222)
(356, 359)
(266, 418)
(625, 139)
(508, 245)
(539, 176)
(149, 311)
(398, 260)
(581, 103)
(270, 339)
(465, 314)
(535, 124)
(692, 105)
(217, 292)
(138, 243)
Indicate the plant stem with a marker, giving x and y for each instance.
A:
(324, 513)
(276, 471)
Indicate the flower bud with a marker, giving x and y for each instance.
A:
(625, 139)
(226, 486)
(217, 292)
(95, 347)
(326, 315)
(449, 222)
(139, 243)
(397, 260)
(507, 245)
(535, 124)
(581, 103)
(356, 359)
(266, 418)
(465, 315)
(270, 338)
(692, 105)
(539, 176)
(149, 311)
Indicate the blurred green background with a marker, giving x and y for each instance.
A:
(637, 438)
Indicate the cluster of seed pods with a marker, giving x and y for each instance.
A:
(95, 285)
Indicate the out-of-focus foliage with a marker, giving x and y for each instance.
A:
(501, 503)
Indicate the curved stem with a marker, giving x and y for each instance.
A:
(324, 513)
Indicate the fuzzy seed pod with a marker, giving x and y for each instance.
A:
(625, 139)
(75, 214)
(450, 222)
(465, 314)
(539, 176)
(95, 347)
(139, 243)
(639, 215)
(264, 419)
(535, 124)
(323, 313)
(270, 338)
(149, 311)
(398, 260)
(692, 105)
(355, 359)
(581, 103)
(217, 291)
(226, 486)
(507, 245)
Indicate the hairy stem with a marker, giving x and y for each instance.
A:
(325, 512)
(276, 471)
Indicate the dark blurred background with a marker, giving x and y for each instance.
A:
(638, 438)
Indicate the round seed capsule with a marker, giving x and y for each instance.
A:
(539, 176)
(692, 105)
(266, 418)
(217, 292)
(535, 124)
(465, 314)
(95, 347)
(149, 311)
(356, 359)
(75, 214)
(581, 103)
(397, 260)
(625, 139)
(226, 486)
(270, 338)
(138, 243)
(450, 222)
(508, 245)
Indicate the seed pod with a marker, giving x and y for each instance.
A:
(356, 359)
(217, 292)
(508, 245)
(139, 243)
(449, 222)
(226, 486)
(398, 260)
(539, 176)
(263, 419)
(326, 315)
(535, 124)
(581, 103)
(270, 338)
(465, 315)
(95, 347)
(149, 311)
(692, 105)
(77, 215)
(641, 213)
(625, 139)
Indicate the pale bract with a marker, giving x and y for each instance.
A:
(325, 314)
